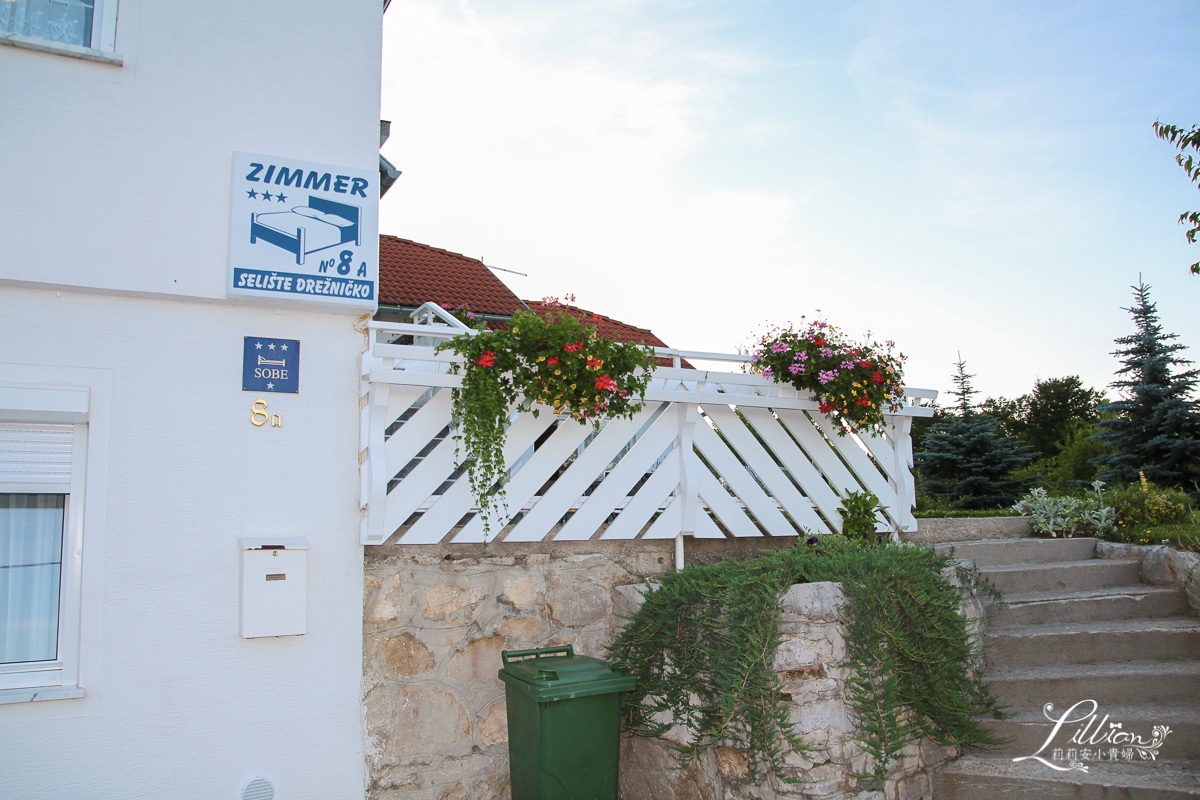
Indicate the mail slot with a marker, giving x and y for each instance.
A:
(274, 586)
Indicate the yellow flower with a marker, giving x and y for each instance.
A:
(558, 372)
(572, 386)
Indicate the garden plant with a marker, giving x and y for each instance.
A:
(549, 356)
(702, 647)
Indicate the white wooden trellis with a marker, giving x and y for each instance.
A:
(711, 454)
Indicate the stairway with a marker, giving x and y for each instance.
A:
(1077, 628)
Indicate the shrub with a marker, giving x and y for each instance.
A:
(702, 647)
(1145, 503)
(1068, 516)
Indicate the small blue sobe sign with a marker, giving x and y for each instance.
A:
(271, 365)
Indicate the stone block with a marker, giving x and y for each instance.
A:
(433, 720)
(519, 632)
(822, 600)
(650, 771)
(575, 600)
(478, 664)
(493, 728)
(521, 592)
(446, 602)
(626, 600)
(824, 715)
(403, 654)
(731, 764)
(1156, 568)
(395, 603)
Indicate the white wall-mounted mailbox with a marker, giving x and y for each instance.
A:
(274, 586)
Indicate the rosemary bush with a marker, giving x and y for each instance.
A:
(702, 647)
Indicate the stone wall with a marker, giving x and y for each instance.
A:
(436, 619)
(1161, 566)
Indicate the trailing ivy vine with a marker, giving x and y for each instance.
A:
(702, 647)
(548, 355)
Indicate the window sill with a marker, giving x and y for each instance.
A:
(40, 693)
(56, 48)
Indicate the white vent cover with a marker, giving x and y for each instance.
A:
(259, 789)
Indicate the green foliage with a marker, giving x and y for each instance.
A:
(855, 383)
(1155, 425)
(967, 459)
(1073, 468)
(1068, 516)
(1185, 140)
(939, 511)
(1145, 503)
(702, 647)
(1044, 418)
(546, 355)
(858, 510)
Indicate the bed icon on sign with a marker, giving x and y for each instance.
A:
(270, 365)
(306, 229)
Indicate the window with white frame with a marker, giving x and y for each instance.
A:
(81, 23)
(43, 455)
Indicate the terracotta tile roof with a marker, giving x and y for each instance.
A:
(610, 328)
(411, 273)
(617, 330)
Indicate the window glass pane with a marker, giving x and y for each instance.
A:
(31, 537)
(66, 21)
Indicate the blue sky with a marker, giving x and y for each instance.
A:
(977, 178)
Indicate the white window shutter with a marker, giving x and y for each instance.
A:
(35, 457)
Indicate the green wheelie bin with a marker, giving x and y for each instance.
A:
(564, 724)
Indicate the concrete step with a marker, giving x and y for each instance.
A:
(963, 529)
(1093, 642)
(982, 778)
(1115, 602)
(1027, 730)
(1109, 684)
(999, 552)
(1063, 575)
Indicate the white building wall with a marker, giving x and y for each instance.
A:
(114, 214)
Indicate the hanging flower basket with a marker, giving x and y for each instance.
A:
(853, 383)
(548, 356)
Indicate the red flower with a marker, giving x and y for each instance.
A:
(865, 364)
(877, 377)
(819, 341)
(605, 383)
(862, 401)
(595, 362)
(552, 361)
(574, 347)
(487, 359)
(826, 408)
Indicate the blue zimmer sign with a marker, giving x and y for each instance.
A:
(303, 232)
(271, 365)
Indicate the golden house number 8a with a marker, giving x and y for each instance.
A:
(258, 415)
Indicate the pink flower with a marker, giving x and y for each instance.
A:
(779, 347)
(825, 376)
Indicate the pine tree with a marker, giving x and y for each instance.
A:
(966, 458)
(1156, 424)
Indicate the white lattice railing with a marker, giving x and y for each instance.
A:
(711, 454)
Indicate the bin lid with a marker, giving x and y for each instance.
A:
(548, 677)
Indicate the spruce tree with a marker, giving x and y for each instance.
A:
(966, 458)
(1155, 425)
